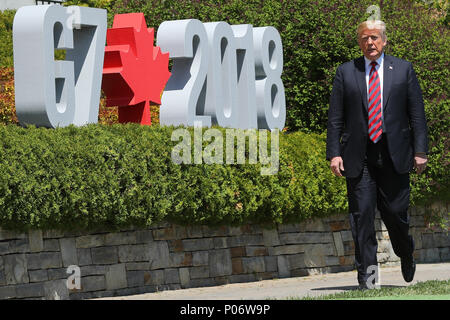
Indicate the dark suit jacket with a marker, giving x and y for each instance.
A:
(403, 113)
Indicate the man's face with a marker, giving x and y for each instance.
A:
(371, 43)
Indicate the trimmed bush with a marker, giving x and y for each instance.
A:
(115, 176)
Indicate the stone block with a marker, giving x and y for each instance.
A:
(346, 236)
(219, 231)
(16, 269)
(270, 237)
(84, 257)
(104, 255)
(116, 277)
(56, 290)
(135, 266)
(429, 255)
(135, 278)
(287, 249)
(289, 228)
(315, 255)
(7, 292)
(382, 235)
(68, 251)
(200, 258)
(317, 225)
(170, 233)
(220, 243)
(441, 240)
(51, 245)
(184, 277)
(416, 221)
(349, 248)
(159, 255)
(234, 231)
(242, 278)
(246, 240)
(194, 232)
(332, 261)
(302, 272)
(427, 240)
(119, 238)
(19, 246)
(271, 263)
(237, 266)
(134, 253)
(238, 252)
(199, 272)
(176, 245)
(180, 259)
(171, 275)
(254, 251)
(346, 260)
(220, 262)
(157, 277)
(59, 273)
(338, 226)
(206, 282)
(306, 237)
(38, 275)
(253, 264)
(9, 235)
(90, 241)
(283, 267)
(4, 248)
(144, 236)
(30, 290)
(198, 244)
(52, 234)
(295, 261)
(384, 246)
(444, 254)
(36, 241)
(338, 244)
(93, 270)
(93, 283)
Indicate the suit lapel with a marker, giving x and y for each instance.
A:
(388, 71)
(360, 76)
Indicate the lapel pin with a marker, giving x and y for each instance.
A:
(390, 67)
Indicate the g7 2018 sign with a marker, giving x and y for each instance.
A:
(221, 74)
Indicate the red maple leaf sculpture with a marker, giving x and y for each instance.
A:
(134, 71)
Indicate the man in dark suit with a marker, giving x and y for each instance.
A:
(377, 134)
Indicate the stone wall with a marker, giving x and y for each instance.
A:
(164, 257)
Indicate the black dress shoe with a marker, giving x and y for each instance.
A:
(408, 268)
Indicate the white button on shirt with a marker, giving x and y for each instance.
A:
(379, 68)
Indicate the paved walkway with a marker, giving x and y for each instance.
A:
(296, 287)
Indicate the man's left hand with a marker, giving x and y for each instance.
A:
(420, 162)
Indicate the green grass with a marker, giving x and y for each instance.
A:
(432, 289)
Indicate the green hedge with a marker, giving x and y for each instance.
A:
(120, 175)
(101, 176)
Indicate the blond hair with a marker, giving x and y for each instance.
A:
(373, 24)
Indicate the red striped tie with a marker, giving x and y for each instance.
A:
(375, 120)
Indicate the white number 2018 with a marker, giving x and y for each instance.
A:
(222, 74)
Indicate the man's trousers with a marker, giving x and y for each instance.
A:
(378, 185)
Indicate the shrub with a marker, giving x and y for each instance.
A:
(119, 175)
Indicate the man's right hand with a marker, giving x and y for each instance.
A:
(337, 165)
